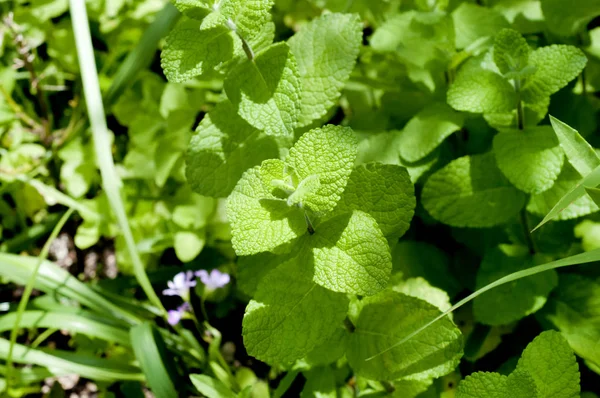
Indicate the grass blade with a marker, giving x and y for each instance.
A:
(579, 153)
(154, 360)
(582, 258)
(102, 145)
(142, 54)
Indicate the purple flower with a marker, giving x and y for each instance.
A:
(174, 316)
(214, 280)
(180, 285)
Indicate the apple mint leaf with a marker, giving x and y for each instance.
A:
(218, 152)
(574, 309)
(266, 90)
(275, 179)
(248, 17)
(320, 383)
(260, 221)
(385, 319)
(488, 384)
(329, 154)
(511, 51)
(190, 51)
(325, 50)
(420, 288)
(481, 91)
(472, 22)
(383, 191)
(329, 351)
(351, 255)
(471, 192)
(427, 130)
(197, 9)
(555, 66)
(513, 301)
(531, 159)
(579, 153)
(569, 18)
(541, 204)
(550, 361)
(290, 315)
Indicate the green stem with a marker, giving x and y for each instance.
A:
(528, 238)
(309, 226)
(27, 294)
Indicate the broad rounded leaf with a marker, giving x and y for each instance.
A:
(427, 130)
(266, 90)
(552, 365)
(531, 159)
(325, 49)
(385, 319)
(385, 192)
(471, 192)
(495, 385)
(511, 51)
(481, 91)
(472, 22)
(282, 324)
(351, 255)
(513, 301)
(542, 203)
(218, 154)
(328, 153)
(260, 221)
(568, 18)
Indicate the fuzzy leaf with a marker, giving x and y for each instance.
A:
(531, 159)
(218, 152)
(511, 51)
(281, 325)
(481, 91)
(510, 302)
(325, 49)
(555, 66)
(328, 153)
(471, 192)
(260, 221)
(351, 255)
(495, 385)
(266, 90)
(388, 317)
(383, 191)
(427, 130)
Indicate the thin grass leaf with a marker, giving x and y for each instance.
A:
(53, 280)
(579, 153)
(102, 145)
(59, 362)
(142, 54)
(27, 293)
(594, 194)
(589, 181)
(82, 322)
(155, 360)
(582, 258)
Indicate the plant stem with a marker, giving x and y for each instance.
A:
(526, 229)
(245, 45)
(349, 325)
(309, 226)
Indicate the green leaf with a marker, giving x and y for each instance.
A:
(328, 153)
(351, 255)
(566, 199)
(420, 288)
(218, 152)
(320, 383)
(384, 320)
(495, 385)
(383, 191)
(531, 159)
(481, 91)
(188, 244)
(594, 193)
(579, 152)
(427, 130)
(574, 309)
(325, 50)
(191, 51)
(155, 361)
(514, 301)
(281, 325)
(211, 387)
(567, 19)
(248, 16)
(260, 221)
(511, 51)
(552, 365)
(471, 192)
(555, 66)
(472, 22)
(266, 90)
